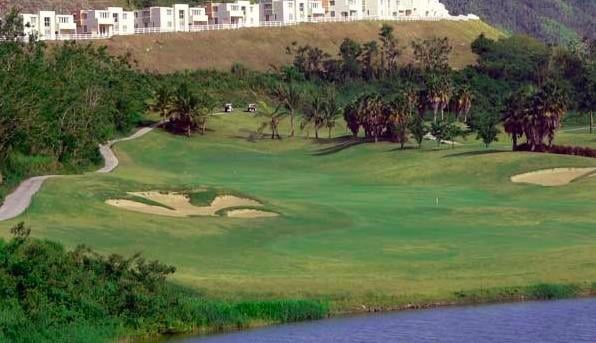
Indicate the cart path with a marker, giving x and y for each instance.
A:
(18, 201)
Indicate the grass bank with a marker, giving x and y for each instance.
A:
(261, 48)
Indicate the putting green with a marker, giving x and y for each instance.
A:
(358, 223)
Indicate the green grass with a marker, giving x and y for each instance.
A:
(357, 226)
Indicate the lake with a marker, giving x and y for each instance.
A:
(554, 321)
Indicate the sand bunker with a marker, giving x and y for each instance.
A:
(250, 214)
(554, 177)
(178, 205)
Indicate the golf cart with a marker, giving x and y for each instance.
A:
(251, 108)
(228, 108)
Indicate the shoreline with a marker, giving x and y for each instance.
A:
(467, 298)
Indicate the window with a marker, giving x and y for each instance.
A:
(124, 28)
(124, 16)
(169, 12)
(301, 7)
(84, 16)
(181, 14)
(46, 22)
(332, 3)
(115, 16)
(169, 24)
(85, 28)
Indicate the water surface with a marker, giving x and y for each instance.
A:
(555, 321)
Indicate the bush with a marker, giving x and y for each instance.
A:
(50, 294)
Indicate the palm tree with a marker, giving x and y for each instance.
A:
(331, 110)
(547, 109)
(514, 114)
(273, 117)
(162, 98)
(185, 109)
(314, 114)
(370, 52)
(399, 119)
(206, 108)
(291, 98)
(445, 93)
(464, 102)
(434, 94)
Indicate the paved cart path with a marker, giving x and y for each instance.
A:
(18, 201)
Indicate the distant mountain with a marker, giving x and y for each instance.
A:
(555, 21)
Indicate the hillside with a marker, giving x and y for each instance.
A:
(260, 48)
(550, 20)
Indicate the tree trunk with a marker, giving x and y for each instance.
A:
(316, 133)
(329, 133)
(591, 122)
(292, 124)
(514, 137)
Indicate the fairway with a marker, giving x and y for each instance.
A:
(357, 224)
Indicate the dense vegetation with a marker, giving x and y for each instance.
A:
(58, 104)
(52, 294)
(557, 21)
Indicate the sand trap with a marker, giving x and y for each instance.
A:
(553, 177)
(250, 214)
(180, 206)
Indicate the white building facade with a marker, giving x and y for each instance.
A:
(291, 10)
(109, 22)
(241, 13)
(47, 25)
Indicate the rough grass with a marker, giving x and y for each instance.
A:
(260, 48)
(359, 225)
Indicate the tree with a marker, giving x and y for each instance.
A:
(350, 52)
(514, 114)
(390, 50)
(439, 130)
(185, 109)
(418, 129)
(432, 55)
(313, 116)
(162, 99)
(463, 102)
(291, 98)
(439, 90)
(331, 110)
(11, 27)
(369, 57)
(486, 129)
(273, 117)
(547, 108)
(399, 119)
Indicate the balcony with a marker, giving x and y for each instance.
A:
(198, 18)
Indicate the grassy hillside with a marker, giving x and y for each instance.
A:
(551, 20)
(359, 224)
(259, 48)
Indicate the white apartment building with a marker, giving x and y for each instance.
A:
(291, 10)
(198, 16)
(241, 12)
(422, 9)
(108, 22)
(353, 9)
(47, 25)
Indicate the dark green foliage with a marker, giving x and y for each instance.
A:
(50, 294)
(547, 291)
(57, 106)
(485, 126)
(554, 21)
